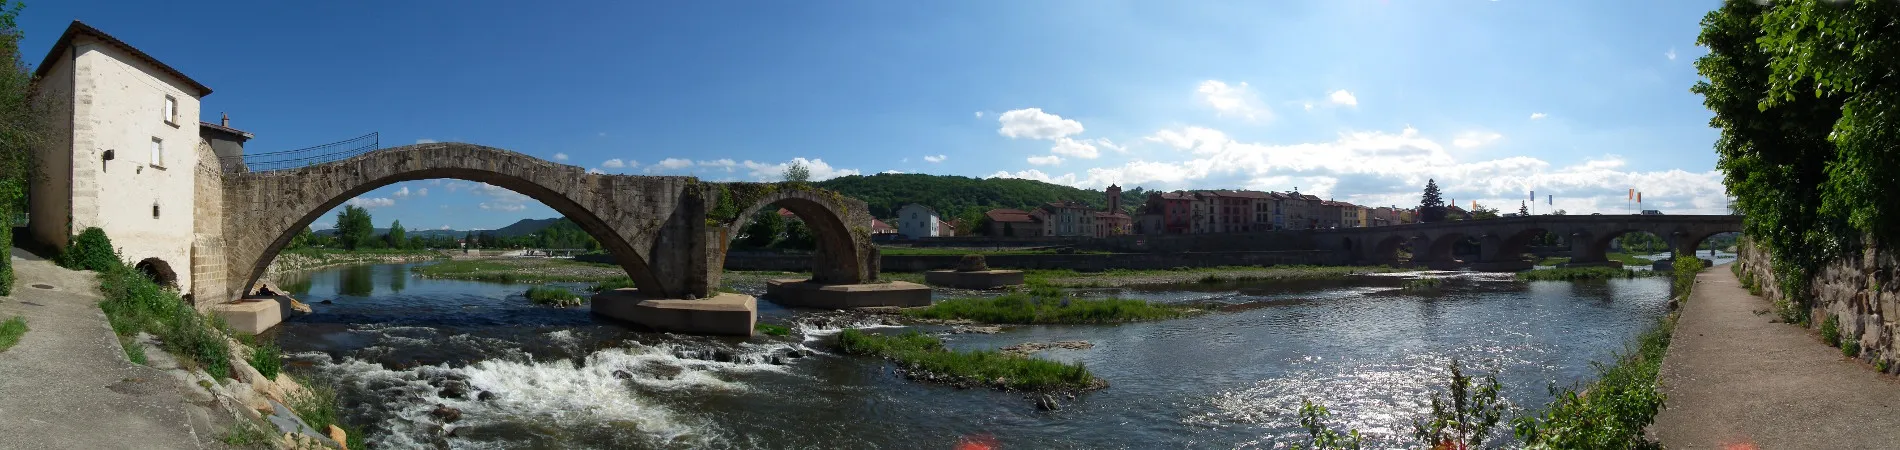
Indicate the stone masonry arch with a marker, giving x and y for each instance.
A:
(647, 223)
(841, 226)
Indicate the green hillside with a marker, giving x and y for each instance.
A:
(958, 196)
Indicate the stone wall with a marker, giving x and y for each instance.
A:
(1859, 291)
(1080, 262)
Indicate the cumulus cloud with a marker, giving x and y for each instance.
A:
(1343, 97)
(560, 156)
(422, 192)
(671, 164)
(723, 163)
(596, 171)
(1045, 160)
(1108, 144)
(1475, 139)
(1538, 115)
(1070, 147)
(893, 171)
(1233, 100)
(1671, 54)
(503, 206)
(372, 202)
(400, 193)
(820, 171)
(934, 158)
(1032, 123)
(445, 227)
(979, 114)
(425, 141)
(615, 163)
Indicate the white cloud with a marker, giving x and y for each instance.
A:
(1538, 116)
(1032, 123)
(1308, 106)
(560, 156)
(503, 206)
(671, 164)
(445, 227)
(893, 171)
(596, 171)
(820, 171)
(979, 114)
(1045, 160)
(372, 202)
(1080, 149)
(1475, 139)
(1108, 144)
(400, 193)
(425, 141)
(615, 163)
(934, 158)
(1343, 97)
(1671, 54)
(422, 192)
(722, 163)
(1233, 100)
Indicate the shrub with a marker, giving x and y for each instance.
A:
(617, 283)
(772, 330)
(553, 296)
(1880, 365)
(1468, 418)
(1610, 413)
(267, 359)
(1831, 331)
(1850, 348)
(11, 198)
(1686, 267)
(973, 263)
(1319, 434)
(133, 303)
(91, 250)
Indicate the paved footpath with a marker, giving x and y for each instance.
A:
(1734, 380)
(67, 384)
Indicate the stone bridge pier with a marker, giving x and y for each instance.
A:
(669, 234)
(1501, 242)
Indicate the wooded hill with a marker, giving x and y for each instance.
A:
(963, 197)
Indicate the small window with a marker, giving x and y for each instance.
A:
(158, 152)
(171, 110)
(154, 210)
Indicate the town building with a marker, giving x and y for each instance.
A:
(879, 228)
(918, 221)
(1112, 220)
(1173, 212)
(1013, 223)
(127, 154)
(1070, 218)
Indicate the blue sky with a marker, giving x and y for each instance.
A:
(1358, 100)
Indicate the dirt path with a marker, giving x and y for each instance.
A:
(1734, 380)
(67, 383)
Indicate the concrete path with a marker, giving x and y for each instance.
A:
(67, 384)
(1734, 380)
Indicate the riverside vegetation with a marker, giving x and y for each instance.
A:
(923, 356)
(553, 296)
(1585, 273)
(1610, 412)
(10, 332)
(1048, 305)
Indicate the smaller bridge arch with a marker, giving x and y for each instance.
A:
(841, 225)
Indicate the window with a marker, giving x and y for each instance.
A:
(171, 110)
(158, 152)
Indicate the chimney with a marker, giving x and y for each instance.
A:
(225, 120)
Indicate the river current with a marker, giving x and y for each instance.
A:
(399, 345)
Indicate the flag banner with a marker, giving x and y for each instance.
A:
(1533, 196)
(1639, 197)
(1548, 199)
(1632, 193)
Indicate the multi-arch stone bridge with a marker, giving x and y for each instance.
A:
(1502, 241)
(670, 234)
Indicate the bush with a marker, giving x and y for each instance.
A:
(1850, 348)
(1686, 267)
(267, 359)
(91, 250)
(617, 283)
(133, 303)
(1319, 434)
(973, 263)
(919, 352)
(11, 197)
(772, 330)
(553, 296)
(1610, 413)
(1880, 365)
(1468, 419)
(1831, 331)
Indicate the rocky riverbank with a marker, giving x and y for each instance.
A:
(302, 261)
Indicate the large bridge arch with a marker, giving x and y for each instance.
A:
(627, 214)
(841, 226)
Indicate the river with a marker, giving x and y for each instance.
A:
(560, 378)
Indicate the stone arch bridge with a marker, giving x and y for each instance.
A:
(668, 233)
(1502, 241)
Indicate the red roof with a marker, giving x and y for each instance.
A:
(1008, 215)
(879, 227)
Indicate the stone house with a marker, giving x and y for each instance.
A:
(1068, 219)
(1013, 222)
(128, 155)
(918, 221)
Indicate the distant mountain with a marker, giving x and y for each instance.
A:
(523, 227)
(526, 227)
(954, 195)
(406, 231)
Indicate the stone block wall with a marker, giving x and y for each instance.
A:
(207, 260)
(1859, 291)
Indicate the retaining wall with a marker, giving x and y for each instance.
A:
(1858, 290)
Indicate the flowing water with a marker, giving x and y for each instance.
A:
(399, 346)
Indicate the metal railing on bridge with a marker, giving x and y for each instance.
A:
(291, 159)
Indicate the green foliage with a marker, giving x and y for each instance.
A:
(397, 236)
(247, 433)
(1686, 267)
(1831, 331)
(1583, 273)
(553, 296)
(353, 227)
(957, 196)
(772, 330)
(918, 352)
(1468, 419)
(134, 351)
(10, 332)
(1320, 435)
(766, 227)
(1047, 305)
(303, 239)
(1850, 348)
(267, 359)
(133, 303)
(618, 283)
(1880, 365)
(1422, 284)
(1431, 205)
(797, 237)
(797, 172)
(1481, 212)
(1610, 413)
(22, 123)
(91, 250)
(540, 271)
(317, 406)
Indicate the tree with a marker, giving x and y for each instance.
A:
(353, 227)
(798, 237)
(1558, 212)
(1523, 210)
(301, 240)
(397, 235)
(1431, 206)
(764, 229)
(796, 171)
(1480, 212)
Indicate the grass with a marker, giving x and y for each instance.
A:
(267, 359)
(246, 433)
(1204, 275)
(134, 303)
(317, 406)
(553, 296)
(1422, 284)
(1611, 412)
(772, 330)
(618, 283)
(918, 352)
(1047, 305)
(529, 271)
(10, 332)
(1625, 258)
(1583, 273)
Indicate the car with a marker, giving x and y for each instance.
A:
(1652, 212)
